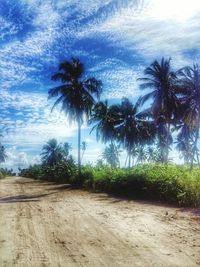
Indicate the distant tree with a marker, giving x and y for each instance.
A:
(3, 155)
(131, 129)
(76, 95)
(52, 152)
(162, 82)
(189, 83)
(83, 148)
(66, 149)
(104, 118)
(99, 163)
(141, 154)
(153, 154)
(111, 155)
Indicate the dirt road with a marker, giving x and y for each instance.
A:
(42, 224)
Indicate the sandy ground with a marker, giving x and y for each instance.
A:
(43, 224)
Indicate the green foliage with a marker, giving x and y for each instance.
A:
(5, 172)
(168, 183)
(60, 172)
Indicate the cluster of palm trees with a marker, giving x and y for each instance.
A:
(170, 110)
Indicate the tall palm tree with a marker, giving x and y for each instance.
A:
(189, 80)
(3, 155)
(77, 95)
(161, 81)
(52, 152)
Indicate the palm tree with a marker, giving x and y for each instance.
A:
(162, 82)
(52, 152)
(184, 142)
(153, 154)
(76, 95)
(104, 118)
(111, 155)
(189, 80)
(83, 148)
(66, 149)
(131, 129)
(141, 154)
(3, 155)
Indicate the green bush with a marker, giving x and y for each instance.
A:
(60, 172)
(168, 183)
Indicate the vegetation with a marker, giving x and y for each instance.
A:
(3, 155)
(167, 116)
(76, 95)
(161, 182)
(6, 172)
(57, 164)
(168, 183)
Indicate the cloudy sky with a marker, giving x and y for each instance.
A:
(115, 39)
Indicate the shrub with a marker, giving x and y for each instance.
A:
(169, 183)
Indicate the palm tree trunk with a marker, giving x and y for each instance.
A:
(129, 161)
(129, 158)
(197, 157)
(167, 148)
(79, 146)
(126, 160)
(195, 146)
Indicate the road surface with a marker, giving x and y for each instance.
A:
(43, 224)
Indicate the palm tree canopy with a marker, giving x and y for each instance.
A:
(111, 155)
(161, 80)
(189, 80)
(52, 152)
(104, 118)
(131, 129)
(77, 95)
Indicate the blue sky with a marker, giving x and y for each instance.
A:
(115, 39)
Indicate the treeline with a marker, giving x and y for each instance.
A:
(169, 114)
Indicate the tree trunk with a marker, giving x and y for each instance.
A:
(129, 158)
(126, 160)
(197, 157)
(195, 146)
(79, 146)
(167, 148)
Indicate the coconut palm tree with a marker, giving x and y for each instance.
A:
(3, 155)
(52, 152)
(141, 154)
(161, 81)
(189, 82)
(111, 155)
(184, 142)
(77, 95)
(131, 129)
(104, 118)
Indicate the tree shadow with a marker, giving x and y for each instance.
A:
(194, 211)
(61, 187)
(22, 198)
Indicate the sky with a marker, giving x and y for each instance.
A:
(115, 39)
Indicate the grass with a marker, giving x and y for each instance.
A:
(167, 183)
